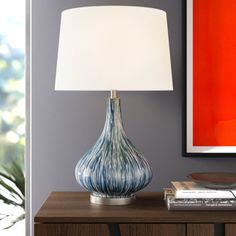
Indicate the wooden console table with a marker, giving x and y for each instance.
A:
(71, 214)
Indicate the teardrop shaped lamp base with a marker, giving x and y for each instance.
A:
(113, 170)
(112, 201)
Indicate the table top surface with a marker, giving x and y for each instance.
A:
(149, 207)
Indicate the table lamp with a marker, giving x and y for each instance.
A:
(113, 48)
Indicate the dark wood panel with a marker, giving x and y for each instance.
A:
(75, 207)
(102, 230)
(152, 229)
(70, 230)
(230, 229)
(200, 229)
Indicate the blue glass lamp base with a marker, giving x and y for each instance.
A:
(113, 170)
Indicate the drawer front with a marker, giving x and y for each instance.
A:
(102, 230)
(200, 230)
(152, 229)
(230, 229)
(135, 230)
(71, 230)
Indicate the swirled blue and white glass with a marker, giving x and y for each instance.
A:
(113, 167)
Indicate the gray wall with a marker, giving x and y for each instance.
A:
(66, 124)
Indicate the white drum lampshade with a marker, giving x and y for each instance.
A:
(113, 48)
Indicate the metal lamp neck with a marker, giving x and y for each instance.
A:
(114, 94)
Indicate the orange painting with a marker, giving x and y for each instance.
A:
(214, 73)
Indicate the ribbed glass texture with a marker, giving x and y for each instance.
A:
(113, 167)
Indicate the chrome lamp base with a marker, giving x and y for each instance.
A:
(112, 200)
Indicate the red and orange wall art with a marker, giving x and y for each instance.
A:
(211, 77)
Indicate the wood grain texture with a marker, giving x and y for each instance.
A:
(75, 207)
(230, 229)
(152, 229)
(200, 229)
(71, 230)
(102, 230)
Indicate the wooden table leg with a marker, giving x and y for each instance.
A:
(114, 229)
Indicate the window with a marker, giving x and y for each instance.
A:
(12, 117)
